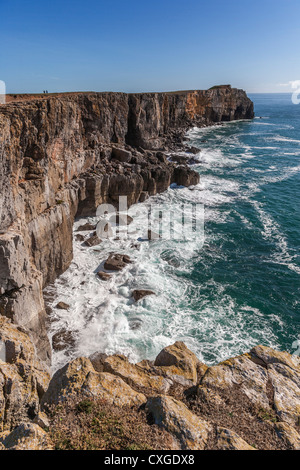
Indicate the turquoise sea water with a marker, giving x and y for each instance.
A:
(238, 290)
(257, 267)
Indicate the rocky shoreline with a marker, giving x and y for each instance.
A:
(60, 158)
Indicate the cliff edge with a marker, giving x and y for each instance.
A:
(63, 155)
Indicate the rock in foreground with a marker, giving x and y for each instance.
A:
(245, 403)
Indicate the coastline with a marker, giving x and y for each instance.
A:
(178, 401)
(66, 155)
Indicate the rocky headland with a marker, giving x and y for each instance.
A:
(61, 156)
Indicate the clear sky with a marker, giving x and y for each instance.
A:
(138, 45)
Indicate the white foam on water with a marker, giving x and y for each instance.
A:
(264, 124)
(285, 174)
(103, 316)
(271, 232)
(280, 138)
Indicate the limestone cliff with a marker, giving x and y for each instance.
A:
(64, 155)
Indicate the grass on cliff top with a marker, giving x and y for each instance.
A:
(91, 424)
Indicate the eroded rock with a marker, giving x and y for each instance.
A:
(229, 440)
(94, 240)
(80, 378)
(62, 306)
(23, 377)
(179, 362)
(289, 434)
(104, 276)
(116, 262)
(191, 432)
(134, 375)
(112, 389)
(139, 294)
(28, 437)
(87, 227)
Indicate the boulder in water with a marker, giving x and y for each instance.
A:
(104, 276)
(86, 227)
(62, 306)
(116, 262)
(93, 241)
(141, 293)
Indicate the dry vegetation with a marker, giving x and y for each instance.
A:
(237, 413)
(91, 424)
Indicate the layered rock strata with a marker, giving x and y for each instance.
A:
(63, 155)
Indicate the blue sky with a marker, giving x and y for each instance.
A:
(137, 46)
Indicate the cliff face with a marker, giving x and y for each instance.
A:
(153, 116)
(64, 155)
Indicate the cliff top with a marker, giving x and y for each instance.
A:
(18, 97)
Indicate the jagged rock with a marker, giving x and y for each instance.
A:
(62, 306)
(87, 227)
(121, 155)
(179, 362)
(229, 440)
(116, 262)
(97, 359)
(161, 157)
(134, 375)
(286, 388)
(141, 293)
(112, 389)
(67, 381)
(267, 356)
(193, 150)
(144, 196)
(28, 437)
(191, 431)
(42, 421)
(183, 160)
(94, 240)
(21, 285)
(80, 377)
(23, 377)
(79, 238)
(289, 434)
(184, 176)
(62, 339)
(104, 276)
(284, 374)
(241, 371)
(180, 159)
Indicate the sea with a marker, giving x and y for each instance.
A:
(230, 284)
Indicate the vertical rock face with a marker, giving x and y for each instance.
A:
(64, 155)
(153, 116)
(23, 378)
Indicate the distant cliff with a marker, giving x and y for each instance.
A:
(64, 155)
